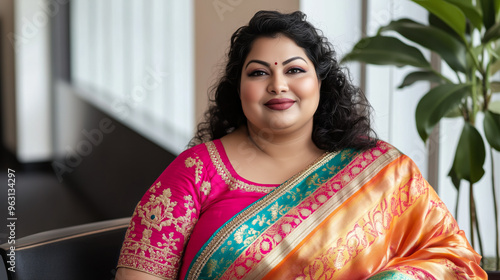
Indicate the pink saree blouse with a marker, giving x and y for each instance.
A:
(195, 195)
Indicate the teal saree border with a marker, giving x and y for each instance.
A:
(238, 235)
(390, 275)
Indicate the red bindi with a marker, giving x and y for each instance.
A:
(276, 63)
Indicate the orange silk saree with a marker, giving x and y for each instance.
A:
(351, 215)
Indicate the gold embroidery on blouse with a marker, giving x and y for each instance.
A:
(160, 258)
(154, 187)
(205, 188)
(157, 212)
(190, 162)
(233, 183)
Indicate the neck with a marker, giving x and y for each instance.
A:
(284, 146)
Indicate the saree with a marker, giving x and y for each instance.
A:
(350, 215)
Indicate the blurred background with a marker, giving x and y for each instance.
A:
(97, 97)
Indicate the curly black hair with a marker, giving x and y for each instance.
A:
(342, 119)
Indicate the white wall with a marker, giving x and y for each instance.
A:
(33, 98)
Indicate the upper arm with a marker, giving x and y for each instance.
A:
(132, 274)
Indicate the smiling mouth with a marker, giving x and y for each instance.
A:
(279, 104)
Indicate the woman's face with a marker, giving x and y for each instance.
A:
(279, 88)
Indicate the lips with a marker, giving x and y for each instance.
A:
(279, 104)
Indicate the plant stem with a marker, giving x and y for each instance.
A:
(474, 59)
(479, 239)
(472, 219)
(486, 87)
(472, 116)
(497, 255)
(456, 204)
(475, 220)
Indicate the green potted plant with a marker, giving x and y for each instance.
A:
(465, 34)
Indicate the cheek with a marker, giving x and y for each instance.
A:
(249, 93)
(308, 89)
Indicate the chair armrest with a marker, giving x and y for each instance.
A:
(88, 251)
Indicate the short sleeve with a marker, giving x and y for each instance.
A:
(164, 218)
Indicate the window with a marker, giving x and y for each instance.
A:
(134, 60)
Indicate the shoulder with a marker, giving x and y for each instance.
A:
(388, 154)
(197, 155)
(384, 153)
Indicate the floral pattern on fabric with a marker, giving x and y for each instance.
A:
(366, 231)
(190, 162)
(155, 250)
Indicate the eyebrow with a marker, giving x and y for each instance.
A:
(267, 64)
(292, 59)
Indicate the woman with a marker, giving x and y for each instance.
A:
(288, 181)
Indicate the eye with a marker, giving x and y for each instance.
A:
(295, 70)
(257, 73)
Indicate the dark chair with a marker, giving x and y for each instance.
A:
(88, 251)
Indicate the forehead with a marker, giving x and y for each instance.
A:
(277, 48)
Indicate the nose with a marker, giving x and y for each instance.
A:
(277, 84)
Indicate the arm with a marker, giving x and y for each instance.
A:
(131, 274)
(163, 221)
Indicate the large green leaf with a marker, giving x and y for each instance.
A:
(469, 156)
(493, 33)
(490, 11)
(432, 38)
(454, 178)
(382, 50)
(416, 76)
(492, 129)
(447, 12)
(470, 11)
(438, 23)
(436, 104)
